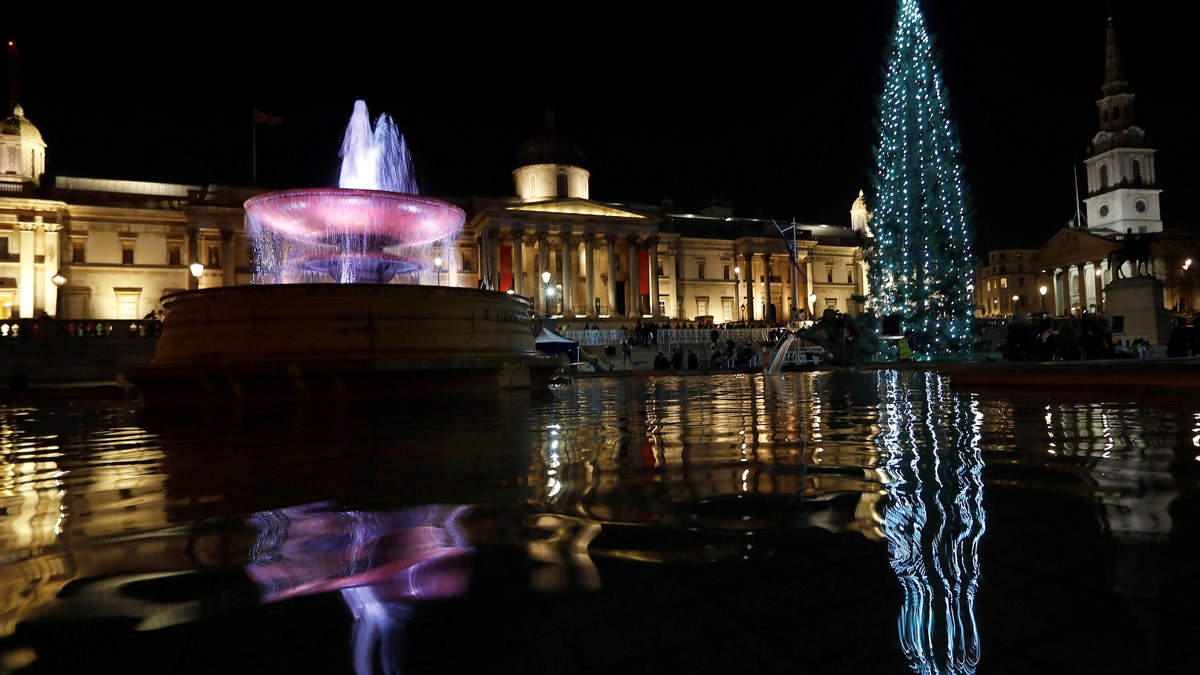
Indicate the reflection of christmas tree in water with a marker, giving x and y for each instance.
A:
(921, 265)
(933, 519)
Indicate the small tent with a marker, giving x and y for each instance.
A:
(549, 342)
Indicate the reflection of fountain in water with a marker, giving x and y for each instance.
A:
(369, 229)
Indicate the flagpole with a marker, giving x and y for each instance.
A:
(795, 273)
(253, 149)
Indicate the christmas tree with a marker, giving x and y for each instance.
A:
(921, 265)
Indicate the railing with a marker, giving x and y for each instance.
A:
(672, 336)
(86, 329)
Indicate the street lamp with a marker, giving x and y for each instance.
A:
(548, 291)
(1015, 298)
(437, 262)
(58, 280)
(197, 270)
(1042, 292)
(812, 307)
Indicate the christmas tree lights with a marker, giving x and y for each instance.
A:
(921, 265)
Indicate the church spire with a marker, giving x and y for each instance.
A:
(1116, 102)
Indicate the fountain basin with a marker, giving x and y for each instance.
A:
(328, 215)
(289, 341)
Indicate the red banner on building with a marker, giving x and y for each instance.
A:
(644, 273)
(506, 273)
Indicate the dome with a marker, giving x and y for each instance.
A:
(549, 146)
(16, 125)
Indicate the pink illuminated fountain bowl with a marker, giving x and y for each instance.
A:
(354, 235)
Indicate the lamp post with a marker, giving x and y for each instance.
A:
(1015, 298)
(197, 270)
(1042, 292)
(547, 292)
(437, 263)
(812, 307)
(58, 280)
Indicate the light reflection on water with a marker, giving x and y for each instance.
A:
(814, 522)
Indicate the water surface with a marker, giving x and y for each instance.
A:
(820, 522)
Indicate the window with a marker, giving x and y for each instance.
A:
(1137, 172)
(849, 274)
(127, 303)
(701, 306)
(175, 255)
(562, 184)
(468, 261)
(700, 268)
(727, 309)
(829, 272)
(659, 265)
(127, 254)
(1003, 282)
(1103, 176)
(725, 271)
(214, 257)
(78, 249)
(4, 253)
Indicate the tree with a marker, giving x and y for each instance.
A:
(921, 266)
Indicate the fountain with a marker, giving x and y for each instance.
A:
(336, 307)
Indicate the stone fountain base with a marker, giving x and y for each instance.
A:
(298, 341)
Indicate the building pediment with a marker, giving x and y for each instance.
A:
(1071, 247)
(579, 207)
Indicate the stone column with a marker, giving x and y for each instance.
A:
(1081, 284)
(519, 262)
(25, 271)
(568, 254)
(589, 271)
(652, 247)
(809, 288)
(612, 274)
(767, 286)
(543, 265)
(450, 257)
(228, 268)
(1064, 306)
(748, 269)
(634, 293)
(193, 257)
(53, 266)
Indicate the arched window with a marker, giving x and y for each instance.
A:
(1137, 172)
(1103, 176)
(562, 184)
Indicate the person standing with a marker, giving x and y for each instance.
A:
(626, 352)
(1177, 344)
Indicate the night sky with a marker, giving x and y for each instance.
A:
(772, 112)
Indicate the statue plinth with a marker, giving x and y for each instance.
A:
(1139, 303)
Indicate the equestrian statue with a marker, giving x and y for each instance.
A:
(1136, 252)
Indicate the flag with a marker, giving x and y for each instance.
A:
(262, 117)
(791, 243)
